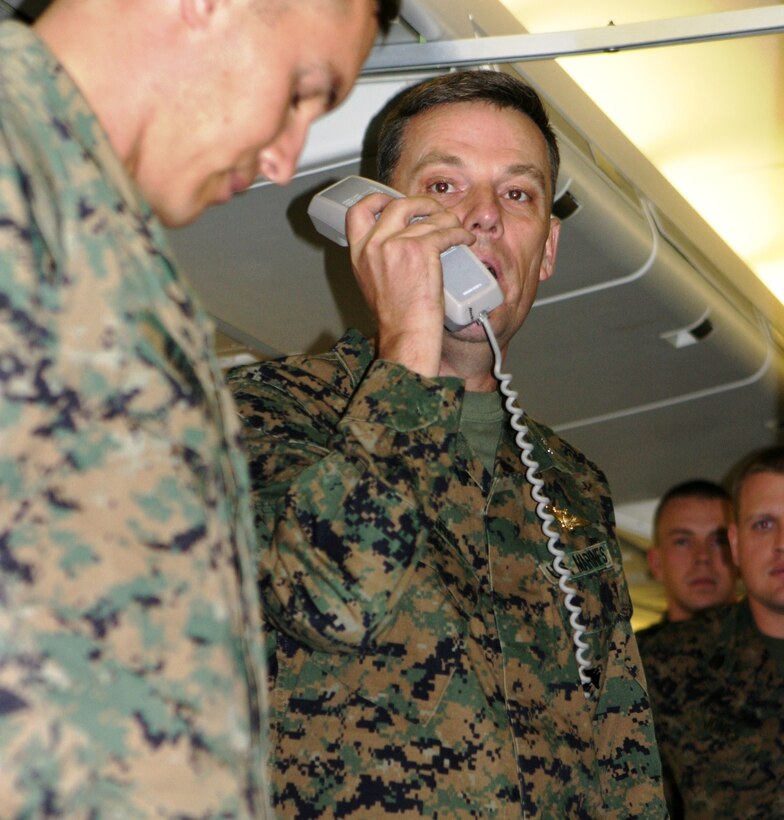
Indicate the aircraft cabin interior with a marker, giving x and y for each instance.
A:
(657, 348)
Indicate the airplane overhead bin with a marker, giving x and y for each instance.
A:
(636, 349)
(639, 349)
(627, 303)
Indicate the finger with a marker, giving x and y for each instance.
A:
(443, 230)
(385, 216)
(361, 217)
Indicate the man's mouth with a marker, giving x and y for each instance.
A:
(491, 267)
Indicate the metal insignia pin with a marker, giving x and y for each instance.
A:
(568, 521)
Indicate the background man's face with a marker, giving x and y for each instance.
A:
(691, 554)
(757, 540)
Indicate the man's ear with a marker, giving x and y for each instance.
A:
(197, 13)
(550, 248)
(654, 563)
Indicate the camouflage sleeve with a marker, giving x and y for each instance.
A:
(44, 728)
(345, 496)
(120, 687)
(671, 660)
(629, 760)
(633, 767)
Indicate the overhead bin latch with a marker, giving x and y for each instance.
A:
(692, 334)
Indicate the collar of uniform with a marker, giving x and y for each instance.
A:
(547, 448)
(470, 467)
(68, 112)
(739, 644)
(72, 113)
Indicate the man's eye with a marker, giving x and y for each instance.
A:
(517, 195)
(441, 187)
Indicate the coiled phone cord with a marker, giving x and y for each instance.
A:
(581, 648)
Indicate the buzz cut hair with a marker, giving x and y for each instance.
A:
(693, 488)
(766, 460)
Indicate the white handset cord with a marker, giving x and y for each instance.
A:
(581, 648)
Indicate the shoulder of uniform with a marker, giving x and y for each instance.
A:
(339, 369)
(643, 636)
(693, 637)
(563, 453)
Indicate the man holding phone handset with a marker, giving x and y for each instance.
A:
(423, 658)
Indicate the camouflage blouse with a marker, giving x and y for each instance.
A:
(718, 700)
(131, 677)
(421, 657)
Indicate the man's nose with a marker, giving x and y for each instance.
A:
(278, 160)
(702, 552)
(482, 211)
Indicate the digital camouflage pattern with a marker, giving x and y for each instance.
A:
(131, 675)
(718, 703)
(421, 664)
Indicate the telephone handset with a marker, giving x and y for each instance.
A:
(469, 288)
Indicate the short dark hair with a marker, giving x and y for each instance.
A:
(386, 12)
(482, 85)
(693, 488)
(766, 460)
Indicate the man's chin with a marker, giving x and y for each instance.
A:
(474, 332)
(178, 214)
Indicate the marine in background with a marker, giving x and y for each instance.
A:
(690, 553)
(717, 680)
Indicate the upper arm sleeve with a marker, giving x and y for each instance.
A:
(345, 496)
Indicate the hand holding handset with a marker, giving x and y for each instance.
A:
(469, 288)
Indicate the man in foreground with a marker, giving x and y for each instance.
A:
(422, 656)
(690, 553)
(717, 680)
(132, 676)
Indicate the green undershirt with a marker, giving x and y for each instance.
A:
(481, 422)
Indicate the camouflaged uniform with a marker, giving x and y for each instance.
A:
(718, 701)
(424, 665)
(130, 660)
